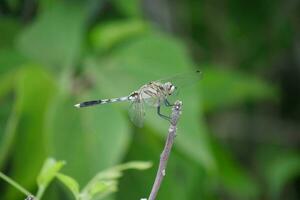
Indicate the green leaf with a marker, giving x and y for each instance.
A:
(115, 172)
(70, 183)
(48, 172)
(98, 141)
(110, 34)
(105, 182)
(9, 115)
(8, 130)
(134, 165)
(131, 8)
(99, 190)
(224, 88)
(55, 37)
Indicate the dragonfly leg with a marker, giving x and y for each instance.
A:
(161, 115)
(167, 103)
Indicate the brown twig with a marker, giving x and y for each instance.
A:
(176, 111)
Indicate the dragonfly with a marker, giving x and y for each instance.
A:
(153, 94)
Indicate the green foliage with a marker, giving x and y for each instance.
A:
(102, 184)
(27, 117)
(234, 178)
(68, 52)
(105, 36)
(105, 182)
(14, 184)
(48, 172)
(141, 59)
(57, 35)
(69, 182)
(131, 8)
(279, 166)
(222, 89)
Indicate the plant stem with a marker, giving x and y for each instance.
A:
(161, 172)
(40, 192)
(14, 184)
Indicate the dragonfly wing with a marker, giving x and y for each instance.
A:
(137, 113)
(183, 79)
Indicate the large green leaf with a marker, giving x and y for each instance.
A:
(93, 140)
(105, 182)
(147, 58)
(33, 91)
(55, 37)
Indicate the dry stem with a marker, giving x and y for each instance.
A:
(176, 111)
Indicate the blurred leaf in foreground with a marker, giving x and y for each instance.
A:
(70, 183)
(48, 172)
(104, 183)
(34, 89)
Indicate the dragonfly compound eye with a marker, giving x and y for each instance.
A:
(171, 89)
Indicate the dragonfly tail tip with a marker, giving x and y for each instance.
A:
(77, 105)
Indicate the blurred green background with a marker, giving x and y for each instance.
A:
(239, 133)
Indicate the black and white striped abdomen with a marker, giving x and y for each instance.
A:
(104, 101)
(101, 101)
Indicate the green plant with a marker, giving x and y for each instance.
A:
(99, 186)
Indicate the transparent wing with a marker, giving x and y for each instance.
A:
(152, 102)
(183, 79)
(137, 113)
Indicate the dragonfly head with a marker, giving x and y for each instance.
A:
(170, 88)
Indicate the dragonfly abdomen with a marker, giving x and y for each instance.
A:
(101, 101)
